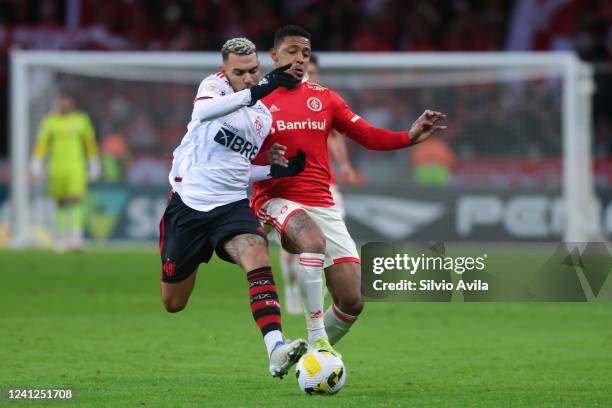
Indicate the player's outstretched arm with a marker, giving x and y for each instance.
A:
(212, 103)
(373, 138)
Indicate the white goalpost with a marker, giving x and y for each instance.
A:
(34, 81)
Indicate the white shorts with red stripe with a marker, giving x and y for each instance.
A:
(339, 246)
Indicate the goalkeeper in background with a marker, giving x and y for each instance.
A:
(69, 140)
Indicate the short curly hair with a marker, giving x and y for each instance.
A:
(239, 46)
(289, 31)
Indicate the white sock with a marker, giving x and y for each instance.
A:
(310, 281)
(337, 323)
(271, 338)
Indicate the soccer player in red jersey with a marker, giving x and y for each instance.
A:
(301, 209)
(336, 145)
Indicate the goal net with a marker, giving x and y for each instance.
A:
(515, 163)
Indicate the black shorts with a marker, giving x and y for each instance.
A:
(188, 237)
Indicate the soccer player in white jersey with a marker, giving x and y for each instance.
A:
(208, 210)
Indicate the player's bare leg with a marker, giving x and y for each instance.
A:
(176, 295)
(303, 236)
(250, 251)
(344, 285)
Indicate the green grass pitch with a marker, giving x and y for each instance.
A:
(94, 322)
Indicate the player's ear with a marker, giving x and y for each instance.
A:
(274, 55)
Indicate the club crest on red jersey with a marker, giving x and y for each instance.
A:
(314, 104)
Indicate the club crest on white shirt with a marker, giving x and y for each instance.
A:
(258, 127)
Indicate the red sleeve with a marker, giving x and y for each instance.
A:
(262, 155)
(355, 127)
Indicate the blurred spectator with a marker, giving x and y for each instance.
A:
(115, 158)
(432, 163)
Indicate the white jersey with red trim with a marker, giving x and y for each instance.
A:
(212, 165)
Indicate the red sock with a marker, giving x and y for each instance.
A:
(264, 299)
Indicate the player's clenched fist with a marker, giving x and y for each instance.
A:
(295, 165)
(425, 126)
(283, 167)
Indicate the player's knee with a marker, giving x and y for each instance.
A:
(257, 259)
(262, 257)
(313, 243)
(352, 304)
(256, 256)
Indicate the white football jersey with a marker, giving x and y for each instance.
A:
(211, 166)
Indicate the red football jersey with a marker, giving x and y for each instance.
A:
(332, 173)
(302, 118)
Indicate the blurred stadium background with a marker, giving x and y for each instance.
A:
(504, 143)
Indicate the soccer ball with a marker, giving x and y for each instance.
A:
(320, 372)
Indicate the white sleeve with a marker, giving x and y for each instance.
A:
(213, 101)
(259, 173)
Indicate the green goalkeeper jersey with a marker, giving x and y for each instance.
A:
(68, 140)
